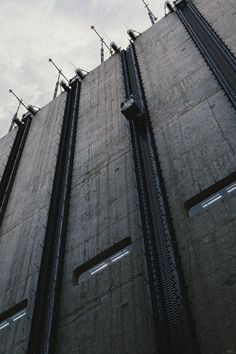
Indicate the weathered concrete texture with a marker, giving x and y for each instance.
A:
(110, 311)
(222, 16)
(6, 143)
(23, 229)
(195, 128)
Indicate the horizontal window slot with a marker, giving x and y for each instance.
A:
(231, 188)
(12, 315)
(210, 196)
(103, 260)
(211, 200)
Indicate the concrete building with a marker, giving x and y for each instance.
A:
(77, 273)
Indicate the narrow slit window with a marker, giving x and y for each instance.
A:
(231, 188)
(212, 195)
(103, 260)
(211, 200)
(14, 314)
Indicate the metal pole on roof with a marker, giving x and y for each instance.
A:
(151, 15)
(102, 44)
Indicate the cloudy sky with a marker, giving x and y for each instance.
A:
(31, 31)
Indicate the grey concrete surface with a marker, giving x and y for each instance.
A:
(23, 228)
(195, 126)
(108, 312)
(6, 143)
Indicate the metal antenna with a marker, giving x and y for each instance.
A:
(102, 52)
(60, 73)
(29, 108)
(14, 118)
(20, 100)
(102, 43)
(151, 15)
(57, 85)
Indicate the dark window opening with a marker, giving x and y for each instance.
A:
(103, 260)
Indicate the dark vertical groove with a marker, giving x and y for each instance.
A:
(216, 54)
(172, 315)
(14, 158)
(42, 336)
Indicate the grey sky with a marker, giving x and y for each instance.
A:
(32, 31)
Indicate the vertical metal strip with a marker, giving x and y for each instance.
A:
(174, 325)
(44, 320)
(14, 158)
(216, 54)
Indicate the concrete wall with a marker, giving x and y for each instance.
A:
(195, 129)
(23, 229)
(222, 17)
(6, 143)
(108, 312)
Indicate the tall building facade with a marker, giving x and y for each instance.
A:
(118, 200)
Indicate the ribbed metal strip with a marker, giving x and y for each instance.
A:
(175, 332)
(10, 170)
(44, 320)
(217, 55)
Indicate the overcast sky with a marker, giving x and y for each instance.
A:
(34, 30)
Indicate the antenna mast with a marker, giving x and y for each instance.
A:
(102, 52)
(151, 15)
(102, 44)
(30, 108)
(14, 118)
(18, 99)
(60, 73)
(57, 85)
